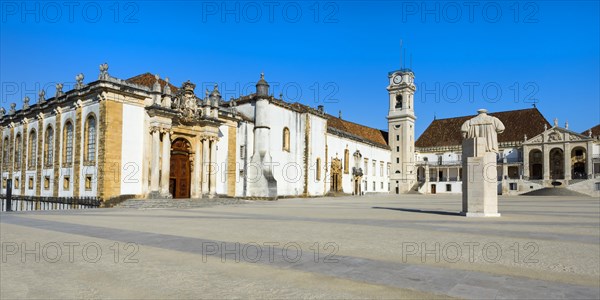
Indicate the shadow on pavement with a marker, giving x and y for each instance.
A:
(433, 212)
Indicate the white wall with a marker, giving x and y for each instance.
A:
(132, 149)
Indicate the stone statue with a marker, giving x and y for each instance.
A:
(483, 126)
(26, 102)
(41, 97)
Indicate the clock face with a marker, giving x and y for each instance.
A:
(397, 79)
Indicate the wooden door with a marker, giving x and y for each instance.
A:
(180, 176)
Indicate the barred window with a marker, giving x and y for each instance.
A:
(90, 138)
(49, 144)
(32, 153)
(18, 151)
(286, 139)
(68, 143)
(5, 151)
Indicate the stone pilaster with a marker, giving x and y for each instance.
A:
(40, 156)
(197, 171)
(110, 128)
(77, 138)
(24, 158)
(205, 165)
(567, 161)
(166, 164)
(155, 164)
(231, 160)
(213, 167)
(56, 152)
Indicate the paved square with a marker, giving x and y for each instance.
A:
(380, 246)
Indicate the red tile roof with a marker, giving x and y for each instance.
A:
(518, 123)
(595, 131)
(148, 80)
(372, 135)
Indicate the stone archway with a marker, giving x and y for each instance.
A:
(180, 178)
(536, 167)
(557, 164)
(336, 175)
(578, 163)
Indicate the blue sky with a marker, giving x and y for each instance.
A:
(466, 55)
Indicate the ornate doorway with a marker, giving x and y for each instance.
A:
(180, 178)
(557, 164)
(336, 175)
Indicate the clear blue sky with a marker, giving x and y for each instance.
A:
(462, 55)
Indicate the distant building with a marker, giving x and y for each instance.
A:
(147, 138)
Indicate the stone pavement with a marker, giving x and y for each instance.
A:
(380, 246)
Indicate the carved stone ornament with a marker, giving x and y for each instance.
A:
(554, 137)
(186, 103)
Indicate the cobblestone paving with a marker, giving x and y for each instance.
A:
(345, 247)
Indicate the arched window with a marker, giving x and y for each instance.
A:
(318, 169)
(286, 139)
(399, 101)
(32, 152)
(18, 151)
(49, 146)
(5, 152)
(68, 143)
(346, 161)
(90, 139)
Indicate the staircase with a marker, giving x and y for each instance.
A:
(178, 203)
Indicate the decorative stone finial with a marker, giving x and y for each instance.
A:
(59, 91)
(13, 109)
(167, 89)
(2, 112)
(555, 122)
(41, 97)
(79, 79)
(545, 127)
(340, 114)
(103, 72)
(281, 96)
(525, 138)
(482, 111)
(156, 86)
(590, 132)
(26, 102)
(567, 124)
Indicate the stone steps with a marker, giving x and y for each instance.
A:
(178, 203)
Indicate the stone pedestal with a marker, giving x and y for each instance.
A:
(480, 181)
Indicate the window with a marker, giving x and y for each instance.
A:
(389, 167)
(88, 182)
(425, 159)
(5, 152)
(397, 160)
(4, 182)
(513, 186)
(318, 169)
(374, 168)
(286, 139)
(90, 139)
(374, 185)
(18, 152)
(16, 184)
(46, 182)
(32, 153)
(448, 188)
(66, 183)
(397, 137)
(381, 170)
(399, 101)
(597, 186)
(346, 161)
(382, 185)
(30, 184)
(366, 166)
(397, 148)
(68, 143)
(242, 152)
(49, 144)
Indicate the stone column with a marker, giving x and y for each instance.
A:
(546, 163)
(166, 165)
(213, 168)
(526, 174)
(458, 174)
(154, 166)
(205, 164)
(567, 157)
(589, 160)
(196, 173)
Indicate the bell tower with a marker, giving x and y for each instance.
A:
(401, 128)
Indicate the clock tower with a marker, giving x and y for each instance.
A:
(401, 128)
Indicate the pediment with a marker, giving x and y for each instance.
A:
(555, 134)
